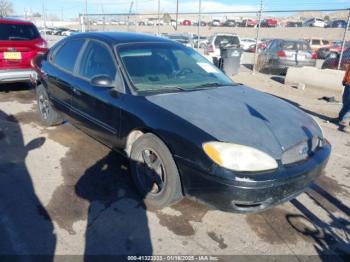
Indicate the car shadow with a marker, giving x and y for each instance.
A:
(278, 79)
(117, 223)
(325, 233)
(322, 117)
(25, 225)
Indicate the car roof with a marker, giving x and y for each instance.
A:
(14, 21)
(114, 38)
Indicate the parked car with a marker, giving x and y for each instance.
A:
(212, 50)
(281, 54)
(248, 23)
(314, 22)
(332, 62)
(333, 50)
(184, 39)
(293, 24)
(247, 43)
(177, 121)
(263, 43)
(229, 23)
(202, 23)
(203, 41)
(215, 22)
(69, 32)
(20, 42)
(186, 22)
(317, 43)
(337, 24)
(269, 22)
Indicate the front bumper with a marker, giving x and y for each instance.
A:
(251, 193)
(17, 75)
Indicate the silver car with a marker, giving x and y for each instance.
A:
(281, 54)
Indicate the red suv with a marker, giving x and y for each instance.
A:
(20, 42)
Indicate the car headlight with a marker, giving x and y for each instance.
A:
(239, 157)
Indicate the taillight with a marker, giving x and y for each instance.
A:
(314, 55)
(42, 44)
(281, 53)
(210, 49)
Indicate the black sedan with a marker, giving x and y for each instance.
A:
(186, 127)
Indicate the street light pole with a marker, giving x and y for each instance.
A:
(177, 13)
(257, 35)
(158, 17)
(344, 40)
(85, 17)
(199, 21)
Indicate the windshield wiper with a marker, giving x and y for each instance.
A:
(213, 84)
(174, 87)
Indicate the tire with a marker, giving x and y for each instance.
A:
(159, 185)
(48, 115)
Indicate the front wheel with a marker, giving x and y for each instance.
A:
(154, 172)
(49, 116)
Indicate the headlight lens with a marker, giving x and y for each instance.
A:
(239, 157)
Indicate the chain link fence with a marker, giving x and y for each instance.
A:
(271, 40)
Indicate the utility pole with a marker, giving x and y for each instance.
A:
(344, 40)
(199, 21)
(177, 13)
(130, 10)
(158, 19)
(86, 20)
(257, 36)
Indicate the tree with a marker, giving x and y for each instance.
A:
(6, 8)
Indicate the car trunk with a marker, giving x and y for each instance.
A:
(296, 53)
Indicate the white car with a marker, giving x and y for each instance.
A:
(212, 50)
(68, 32)
(315, 22)
(246, 43)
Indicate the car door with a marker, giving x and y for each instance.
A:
(59, 73)
(96, 108)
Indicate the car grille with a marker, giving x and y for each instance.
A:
(301, 151)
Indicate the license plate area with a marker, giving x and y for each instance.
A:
(12, 55)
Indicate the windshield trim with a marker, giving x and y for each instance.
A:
(127, 77)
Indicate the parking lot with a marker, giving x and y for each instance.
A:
(77, 196)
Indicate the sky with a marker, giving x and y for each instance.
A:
(72, 8)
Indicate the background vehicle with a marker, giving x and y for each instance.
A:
(69, 32)
(184, 39)
(315, 22)
(317, 43)
(337, 24)
(247, 43)
(269, 22)
(229, 23)
(215, 22)
(20, 42)
(186, 22)
(203, 41)
(332, 62)
(281, 54)
(334, 50)
(168, 109)
(293, 24)
(248, 23)
(220, 40)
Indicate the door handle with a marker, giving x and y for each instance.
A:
(76, 91)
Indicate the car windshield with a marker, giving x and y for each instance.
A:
(18, 32)
(166, 67)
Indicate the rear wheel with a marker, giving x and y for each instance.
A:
(49, 116)
(154, 172)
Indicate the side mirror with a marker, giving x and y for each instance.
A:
(102, 81)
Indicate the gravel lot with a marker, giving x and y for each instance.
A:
(63, 193)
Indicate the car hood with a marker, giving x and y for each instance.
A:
(241, 115)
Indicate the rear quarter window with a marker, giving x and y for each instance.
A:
(18, 32)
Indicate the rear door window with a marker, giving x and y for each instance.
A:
(316, 42)
(66, 56)
(18, 32)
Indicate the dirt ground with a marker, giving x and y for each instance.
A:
(63, 193)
